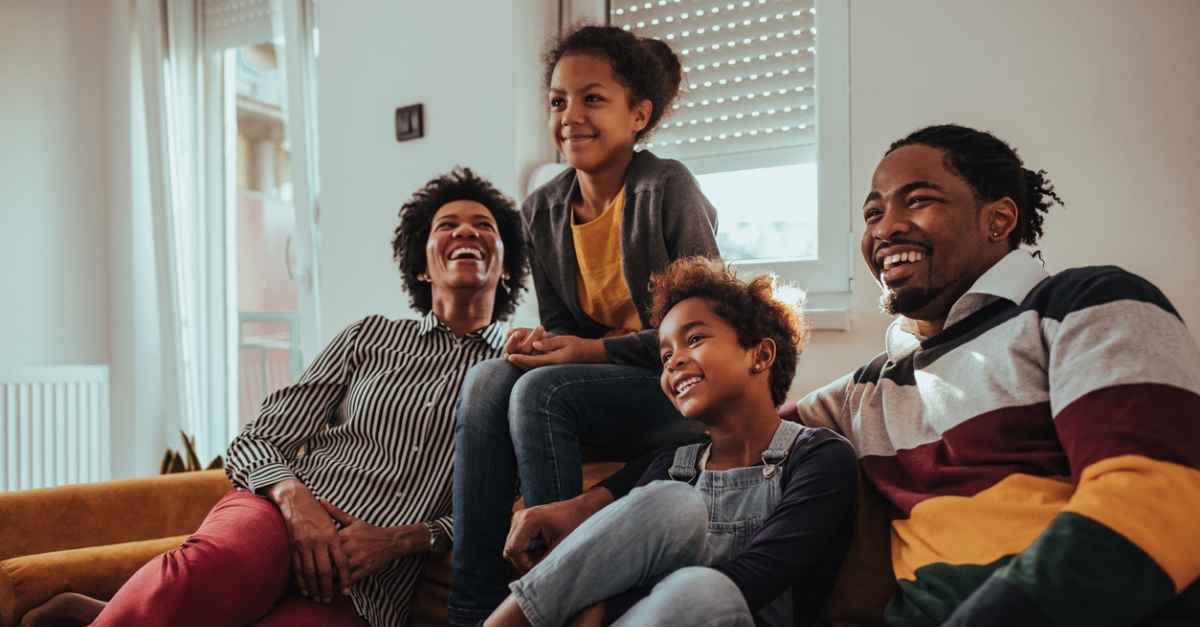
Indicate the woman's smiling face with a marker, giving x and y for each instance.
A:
(464, 250)
(591, 120)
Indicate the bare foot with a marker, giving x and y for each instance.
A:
(64, 610)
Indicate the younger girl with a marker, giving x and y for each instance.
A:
(747, 530)
(589, 372)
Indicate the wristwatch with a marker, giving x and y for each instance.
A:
(437, 541)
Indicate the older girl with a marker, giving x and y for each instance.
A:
(589, 372)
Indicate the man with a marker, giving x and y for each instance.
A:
(1037, 437)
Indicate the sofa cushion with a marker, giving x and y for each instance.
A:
(28, 581)
(865, 582)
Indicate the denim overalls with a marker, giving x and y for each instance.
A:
(738, 500)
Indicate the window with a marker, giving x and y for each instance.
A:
(763, 123)
(259, 59)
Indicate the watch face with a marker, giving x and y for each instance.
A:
(437, 541)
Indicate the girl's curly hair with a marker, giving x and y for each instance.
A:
(648, 68)
(753, 308)
(416, 220)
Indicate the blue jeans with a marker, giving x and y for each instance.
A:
(655, 536)
(510, 421)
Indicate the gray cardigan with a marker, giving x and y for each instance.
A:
(665, 217)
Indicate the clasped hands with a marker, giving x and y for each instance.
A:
(323, 554)
(528, 348)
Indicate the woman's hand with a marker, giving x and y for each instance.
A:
(370, 549)
(520, 341)
(562, 349)
(316, 548)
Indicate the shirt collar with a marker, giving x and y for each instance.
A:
(492, 334)
(1012, 278)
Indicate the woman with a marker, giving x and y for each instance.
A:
(746, 530)
(590, 372)
(364, 439)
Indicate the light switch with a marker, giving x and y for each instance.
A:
(410, 122)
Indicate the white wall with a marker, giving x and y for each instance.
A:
(76, 256)
(54, 244)
(1102, 94)
(482, 110)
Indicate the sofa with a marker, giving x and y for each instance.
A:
(91, 538)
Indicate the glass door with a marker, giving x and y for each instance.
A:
(268, 298)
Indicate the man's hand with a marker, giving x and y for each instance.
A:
(562, 349)
(552, 522)
(316, 547)
(369, 549)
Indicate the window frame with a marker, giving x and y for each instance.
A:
(827, 279)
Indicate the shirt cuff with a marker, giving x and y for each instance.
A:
(267, 474)
(447, 523)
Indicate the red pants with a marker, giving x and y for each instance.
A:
(235, 570)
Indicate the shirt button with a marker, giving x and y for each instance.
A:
(416, 449)
(429, 404)
(399, 494)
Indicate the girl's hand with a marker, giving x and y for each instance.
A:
(370, 549)
(316, 548)
(563, 349)
(520, 341)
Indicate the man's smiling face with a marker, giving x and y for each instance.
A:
(925, 240)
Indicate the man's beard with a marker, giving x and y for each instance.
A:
(906, 300)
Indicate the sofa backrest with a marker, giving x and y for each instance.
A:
(108, 512)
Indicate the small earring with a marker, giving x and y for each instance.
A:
(995, 234)
(757, 367)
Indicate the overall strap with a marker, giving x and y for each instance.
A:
(781, 443)
(683, 468)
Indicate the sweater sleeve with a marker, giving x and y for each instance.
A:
(262, 453)
(1124, 376)
(817, 500)
(553, 312)
(689, 227)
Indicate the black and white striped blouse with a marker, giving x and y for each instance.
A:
(375, 413)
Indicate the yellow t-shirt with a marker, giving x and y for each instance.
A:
(600, 281)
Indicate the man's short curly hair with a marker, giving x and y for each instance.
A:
(416, 220)
(753, 308)
(993, 170)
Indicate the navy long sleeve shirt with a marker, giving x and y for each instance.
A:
(801, 543)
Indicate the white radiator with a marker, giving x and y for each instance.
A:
(54, 427)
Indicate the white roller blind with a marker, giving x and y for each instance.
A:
(234, 23)
(749, 79)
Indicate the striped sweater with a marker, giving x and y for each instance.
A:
(1041, 455)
